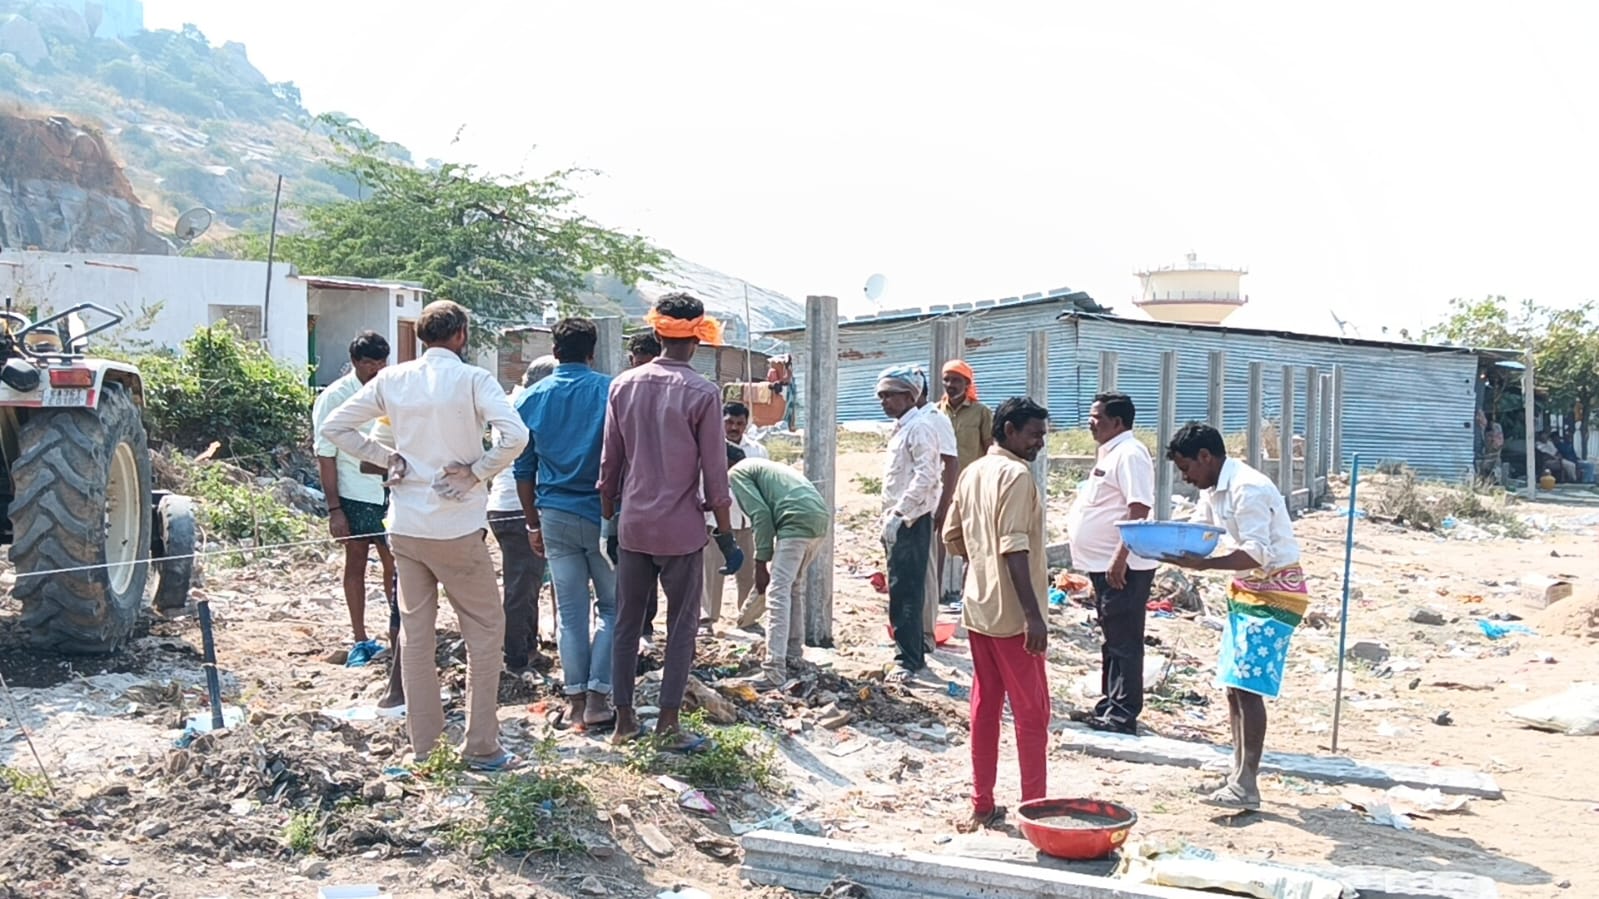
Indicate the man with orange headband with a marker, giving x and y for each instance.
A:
(663, 431)
(973, 423)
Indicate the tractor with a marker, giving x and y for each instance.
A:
(76, 501)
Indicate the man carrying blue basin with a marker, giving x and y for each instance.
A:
(1266, 599)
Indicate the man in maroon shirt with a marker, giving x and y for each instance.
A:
(663, 429)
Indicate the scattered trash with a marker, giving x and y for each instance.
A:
(1424, 615)
(1442, 719)
(352, 891)
(1389, 730)
(1539, 591)
(844, 888)
(1543, 659)
(1177, 864)
(364, 713)
(716, 847)
(1396, 806)
(687, 796)
(1369, 651)
(957, 691)
(200, 723)
(1573, 713)
(1495, 631)
(362, 653)
(1057, 597)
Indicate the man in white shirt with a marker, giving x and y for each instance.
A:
(735, 423)
(911, 499)
(949, 473)
(357, 503)
(522, 576)
(438, 408)
(1265, 602)
(1120, 488)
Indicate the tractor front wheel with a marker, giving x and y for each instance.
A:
(81, 524)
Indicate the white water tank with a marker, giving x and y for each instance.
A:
(1191, 292)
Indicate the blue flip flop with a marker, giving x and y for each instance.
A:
(362, 652)
(698, 744)
(505, 761)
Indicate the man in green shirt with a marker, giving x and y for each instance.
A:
(790, 520)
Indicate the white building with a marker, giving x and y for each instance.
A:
(163, 299)
(339, 308)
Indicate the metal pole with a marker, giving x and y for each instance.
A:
(1343, 617)
(1255, 444)
(16, 714)
(1529, 402)
(272, 249)
(213, 683)
(1163, 432)
(821, 454)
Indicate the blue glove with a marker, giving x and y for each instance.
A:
(730, 552)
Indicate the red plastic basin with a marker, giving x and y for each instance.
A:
(1098, 830)
(942, 631)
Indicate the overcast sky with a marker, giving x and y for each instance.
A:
(1373, 159)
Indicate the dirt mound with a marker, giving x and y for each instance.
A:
(1577, 616)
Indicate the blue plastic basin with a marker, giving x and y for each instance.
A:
(1169, 539)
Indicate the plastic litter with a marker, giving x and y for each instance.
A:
(1495, 631)
(687, 796)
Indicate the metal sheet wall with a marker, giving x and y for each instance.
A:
(996, 348)
(1400, 404)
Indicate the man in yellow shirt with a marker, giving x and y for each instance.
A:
(996, 523)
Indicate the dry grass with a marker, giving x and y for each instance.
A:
(1403, 498)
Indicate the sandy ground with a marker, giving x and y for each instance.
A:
(135, 816)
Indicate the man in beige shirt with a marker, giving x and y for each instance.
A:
(996, 523)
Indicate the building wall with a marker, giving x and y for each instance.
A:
(343, 312)
(180, 294)
(1400, 404)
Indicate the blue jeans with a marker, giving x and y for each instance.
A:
(572, 545)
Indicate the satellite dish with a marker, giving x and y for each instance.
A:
(874, 287)
(192, 224)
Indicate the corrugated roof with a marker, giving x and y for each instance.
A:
(1298, 335)
(1078, 300)
(343, 283)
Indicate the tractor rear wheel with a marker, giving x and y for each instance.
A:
(81, 524)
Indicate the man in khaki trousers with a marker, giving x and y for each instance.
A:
(438, 408)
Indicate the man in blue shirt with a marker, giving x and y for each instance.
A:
(556, 479)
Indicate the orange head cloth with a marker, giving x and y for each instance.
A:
(707, 329)
(959, 367)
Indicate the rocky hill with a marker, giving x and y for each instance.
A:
(191, 124)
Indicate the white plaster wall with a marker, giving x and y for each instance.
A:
(342, 314)
(181, 288)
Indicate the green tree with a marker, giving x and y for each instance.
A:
(502, 247)
(1564, 345)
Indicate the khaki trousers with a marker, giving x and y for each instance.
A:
(463, 566)
(715, 581)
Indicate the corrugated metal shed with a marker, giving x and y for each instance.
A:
(1408, 403)
(996, 347)
(1402, 402)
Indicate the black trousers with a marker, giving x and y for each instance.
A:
(523, 579)
(907, 590)
(1121, 655)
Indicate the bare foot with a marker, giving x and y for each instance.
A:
(627, 729)
(979, 821)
